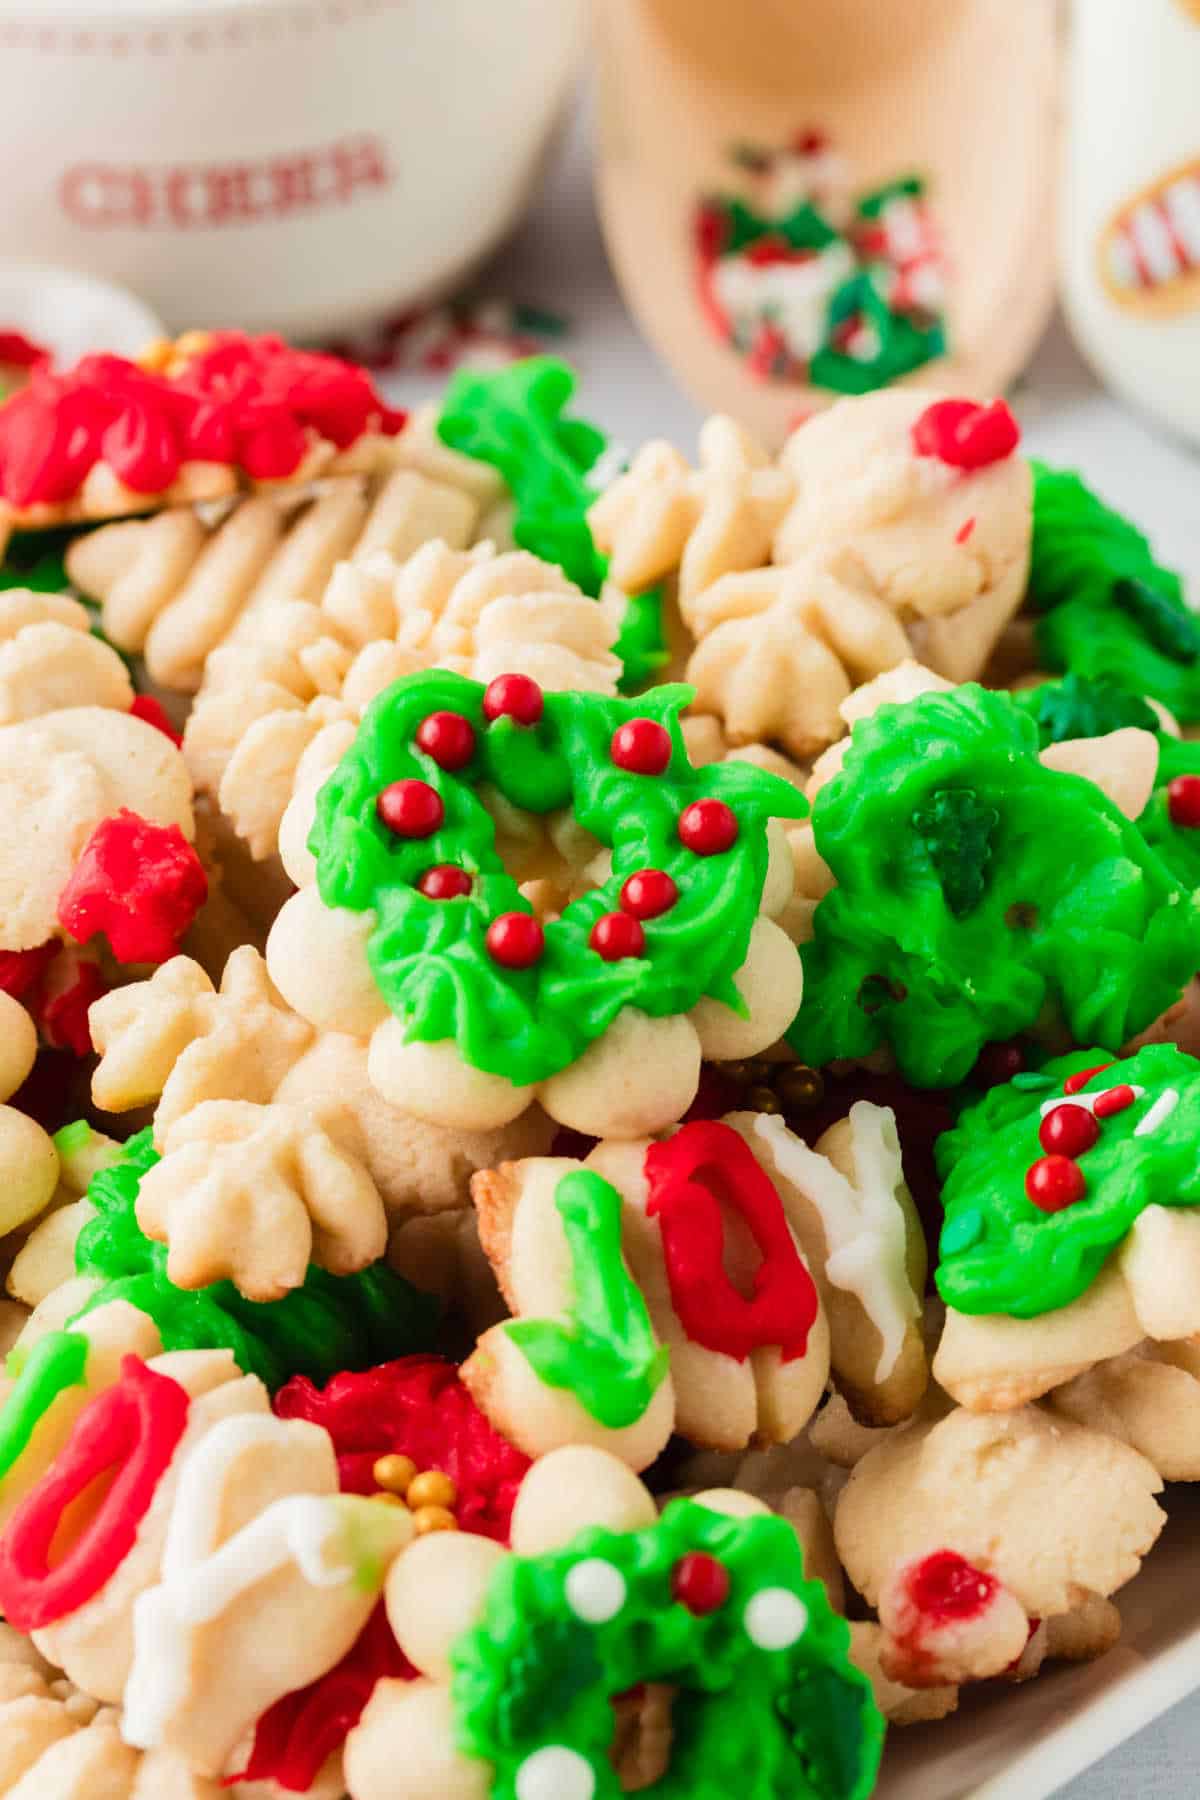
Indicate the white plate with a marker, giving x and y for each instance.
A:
(1023, 1743)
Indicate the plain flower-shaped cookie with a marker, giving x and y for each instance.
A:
(255, 1193)
(781, 649)
(177, 1037)
(663, 517)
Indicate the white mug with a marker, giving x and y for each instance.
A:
(1131, 208)
(301, 165)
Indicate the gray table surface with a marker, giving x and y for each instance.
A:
(557, 260)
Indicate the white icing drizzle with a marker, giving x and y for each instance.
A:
(864, 1224)
(1087, 1102)
(1162, 1109)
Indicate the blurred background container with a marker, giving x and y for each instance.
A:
(302, 165)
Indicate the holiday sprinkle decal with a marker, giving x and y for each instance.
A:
(810, 282)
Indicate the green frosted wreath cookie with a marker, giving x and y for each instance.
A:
(769, 1706)
(1072, 1227)
(1107, 609)
(417, 935)
(977, 892)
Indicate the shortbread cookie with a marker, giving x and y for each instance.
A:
(294, 668)
(194, 420)
(404, 1432)
(175, 588)
(1149, 1398)
(1071, 1231)
(322, 1322)
(848, 1203)
(1050, 1511)
(739, 1580)
(930, 501)
(601, 1017)
(268, 1576)
(900, 1705)
(954, 923)
(175, 1040)
(97, 804)
(135, 1435)
(662, 517)
(29, 1167)
(740, 1370)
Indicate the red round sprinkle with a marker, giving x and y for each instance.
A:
(707, 827)
(513, 697)
(448, 738)
(642, 746)
(1068, 1131)
(700, 1582)
(445, 881)
(996, 1064)
(1183, 800)
(1054, 1182)
(617, 935)
(412, 809)
(1114, 1101)
(1081, 1077)
(515, 940)
(648, 893)
(965, 435)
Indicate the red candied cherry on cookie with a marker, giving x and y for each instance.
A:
(965, 435)
(707, 827)
(617, 935)
(138, 884)
(448, 738)
(700, 1582)
(516, 697)
(1068, 1131)
(648, 893)
(642, 746)
(1183, 800)
(1055, 1182)
(444, 881)
(410, 809)
(515, 940)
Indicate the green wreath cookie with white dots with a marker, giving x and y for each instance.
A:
(411, 931)
(518, 1700)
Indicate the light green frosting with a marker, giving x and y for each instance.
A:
(606, 1355)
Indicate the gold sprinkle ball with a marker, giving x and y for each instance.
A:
(395, 1473)
(432, 1488)
(434, 1518)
